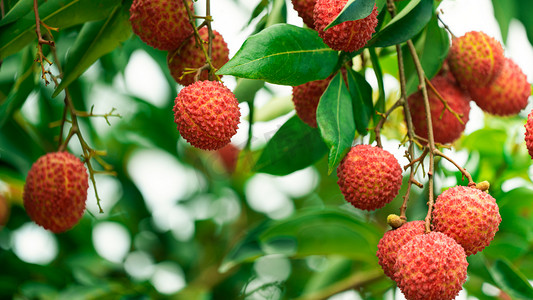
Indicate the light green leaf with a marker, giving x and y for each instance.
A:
(353, 10)
(511, 280)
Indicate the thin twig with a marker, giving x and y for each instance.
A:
(465, 173)
(41, 41)
(444, 102)
(384, 117)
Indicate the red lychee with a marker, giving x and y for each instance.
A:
(306, 97)
(529, 134)
(55, 191)
(431, 267)
(162, 24)
(305, 11)
(393, 240)
(468, 215)
(348, 36)
(475, 59)
(207, 114)
(369, 177)
(190, 55)
(507, 94)
(446, 126)
(229, 156)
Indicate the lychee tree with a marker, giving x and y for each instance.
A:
(403, 199)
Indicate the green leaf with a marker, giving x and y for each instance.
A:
(511, 280)
(361, 94)
(283, 54)
(309, 232)
(247, 88)
(19, 10)
(95, 40)
(524, 15)
(23, 86)
(335, 120)
(353, 10)
(54, 13)
(294, 147)
(504, 11)
(406, 24)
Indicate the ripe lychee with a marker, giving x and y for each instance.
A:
(507, 94)
(529, 134)
(207, 114)
(475, 59)
(190, 55)
(431, 266)
(369, 177)
(348, 36)
(446, 126)
(305, 11)
(306, 97)
(393, 240)
(162, 24)
(229, 155)
(55, 191)
(468, 215)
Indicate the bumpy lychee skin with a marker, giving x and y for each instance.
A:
(55, 191)
(431, 267)
(507, 94)
(369, 177)
(448, 128)
(207, 114)
(190, 55)
(393, 240)
(468, 215)
(162, 24)
(475, 59)
(529, 134)
(305, 11)
(306, 97)
(348, 36)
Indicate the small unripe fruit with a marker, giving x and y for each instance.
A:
(55, 191)
(507, 94)
(190, 55)
(369, 177)
(162, 24)
(529, 134)
(305, 11)
(431, 267)
(468, 215)
(348, 36)
(475, 59)
(207, 114)
(446, 126)
(393, 240)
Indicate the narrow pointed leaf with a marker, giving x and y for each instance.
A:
(20, 9)
(295, 146)
(353, 10)
(335, 120)
(406, 24)
(54, 13)
(361, 94)
(95, 40)
(511, 280)
(283, 54)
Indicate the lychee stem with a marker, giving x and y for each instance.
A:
(465, 173)
(41, 41)
(444, 102)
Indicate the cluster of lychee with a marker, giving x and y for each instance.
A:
(206, 112)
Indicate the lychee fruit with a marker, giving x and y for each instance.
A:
(393, 240)
(305, 11)
(446, 126)
(190, 55)
(207, 114)
(475, 59)
(306, 97)
(229, 155)
(55, 191)
(507, 94)
(529, 134)
(161, 24)
(431, 266)
(4, 210)
(369, 177)
(348, 36)
(468, 215)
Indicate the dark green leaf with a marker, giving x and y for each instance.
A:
(294, 147)
(525, 7)
(511, 280)
(504, 11)
(22, 89)
(335, 120)
(95, 40)
(283, 54)
(21, 8)
(353, 10)
(406, 24)
(247, 88)
(54, 13)
(361, 93)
